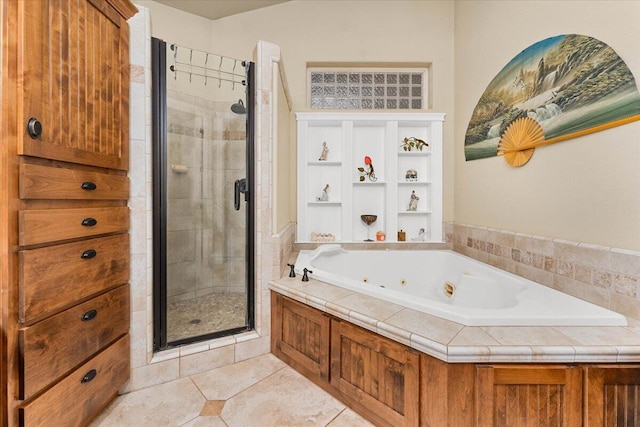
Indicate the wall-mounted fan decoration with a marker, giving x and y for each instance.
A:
(556, 89)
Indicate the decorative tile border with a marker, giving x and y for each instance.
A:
(608, 277)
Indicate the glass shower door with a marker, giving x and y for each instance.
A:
(206, 289)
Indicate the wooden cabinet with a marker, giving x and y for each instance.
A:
(64, 218)
(375, 374)
(393, 385)
(399, 176)
(525, 395)
(301, 337)
(75, 59)
(612, 396)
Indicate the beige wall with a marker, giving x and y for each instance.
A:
(285, 154)
(585, 189)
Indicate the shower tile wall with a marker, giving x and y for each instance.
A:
(205, 235)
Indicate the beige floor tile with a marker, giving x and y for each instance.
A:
(348, 418)
(283, 399)
(225, 382)
(170, 404)
(205, 422)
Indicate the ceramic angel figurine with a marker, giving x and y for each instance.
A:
(413, 202)
(325, 196)
(325, 151)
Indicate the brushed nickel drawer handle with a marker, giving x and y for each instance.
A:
(89, 222)
(88, 254)
(89, 376)
(88, 185)
(89, 315)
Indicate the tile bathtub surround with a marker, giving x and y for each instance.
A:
(455, 343)
(608, 277)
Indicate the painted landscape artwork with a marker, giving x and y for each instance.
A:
(566, 83)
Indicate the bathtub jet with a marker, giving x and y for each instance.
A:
(452, 286)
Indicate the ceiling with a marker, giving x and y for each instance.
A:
(216, 9)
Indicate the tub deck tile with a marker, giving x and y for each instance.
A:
(362, 320)
(555, 354)
(628, 353)
(528, 336)
(435, 328)
(456, 343)
(596, 354)
(468, 353)
(368, 306)
(511, 353)
(600, 335)
(395, 333)
(325, 291)
(429, 347)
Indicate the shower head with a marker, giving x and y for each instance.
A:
(238, 107)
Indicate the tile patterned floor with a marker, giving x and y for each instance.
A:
(260, 392)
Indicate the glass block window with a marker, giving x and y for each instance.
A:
(367, 89)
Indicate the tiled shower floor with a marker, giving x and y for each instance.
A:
(259, 392)
(209, 313)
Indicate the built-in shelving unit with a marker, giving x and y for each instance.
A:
(350, 137)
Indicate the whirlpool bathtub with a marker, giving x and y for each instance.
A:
(452, 286)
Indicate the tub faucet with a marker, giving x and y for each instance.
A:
(305, 278)
(292, 273)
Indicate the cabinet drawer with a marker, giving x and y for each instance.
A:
(56, 345)
(53, 277)
(50, 225)
(44, 182)
(78, 397)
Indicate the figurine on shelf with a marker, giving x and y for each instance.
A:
(420, 236)
(412, 142)
(325, 152)
(413, 202)
(411, 175)
(367, 170)
(322, 237)
(325, 196)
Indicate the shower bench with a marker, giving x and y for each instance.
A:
(394, 384)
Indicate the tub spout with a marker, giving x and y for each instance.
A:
(305, 278)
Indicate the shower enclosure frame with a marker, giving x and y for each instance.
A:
(159, 177)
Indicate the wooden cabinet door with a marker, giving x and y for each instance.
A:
(300, 336)
(378, 376)
(612, 396)
(75, 62)
(528, 396)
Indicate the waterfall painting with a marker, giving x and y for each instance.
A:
(569, 85)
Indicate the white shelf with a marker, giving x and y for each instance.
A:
(369, 182)
(350, 137)
(324, 163)
(320, 203)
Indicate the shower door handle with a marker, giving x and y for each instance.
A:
(240, 187)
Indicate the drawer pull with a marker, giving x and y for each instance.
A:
(88, 254)
(34, 127)
(88, 185)
(89, 315)
(89, 222)
(89, 376)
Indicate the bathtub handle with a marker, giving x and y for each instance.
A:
(292, 273)
(305, 278)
